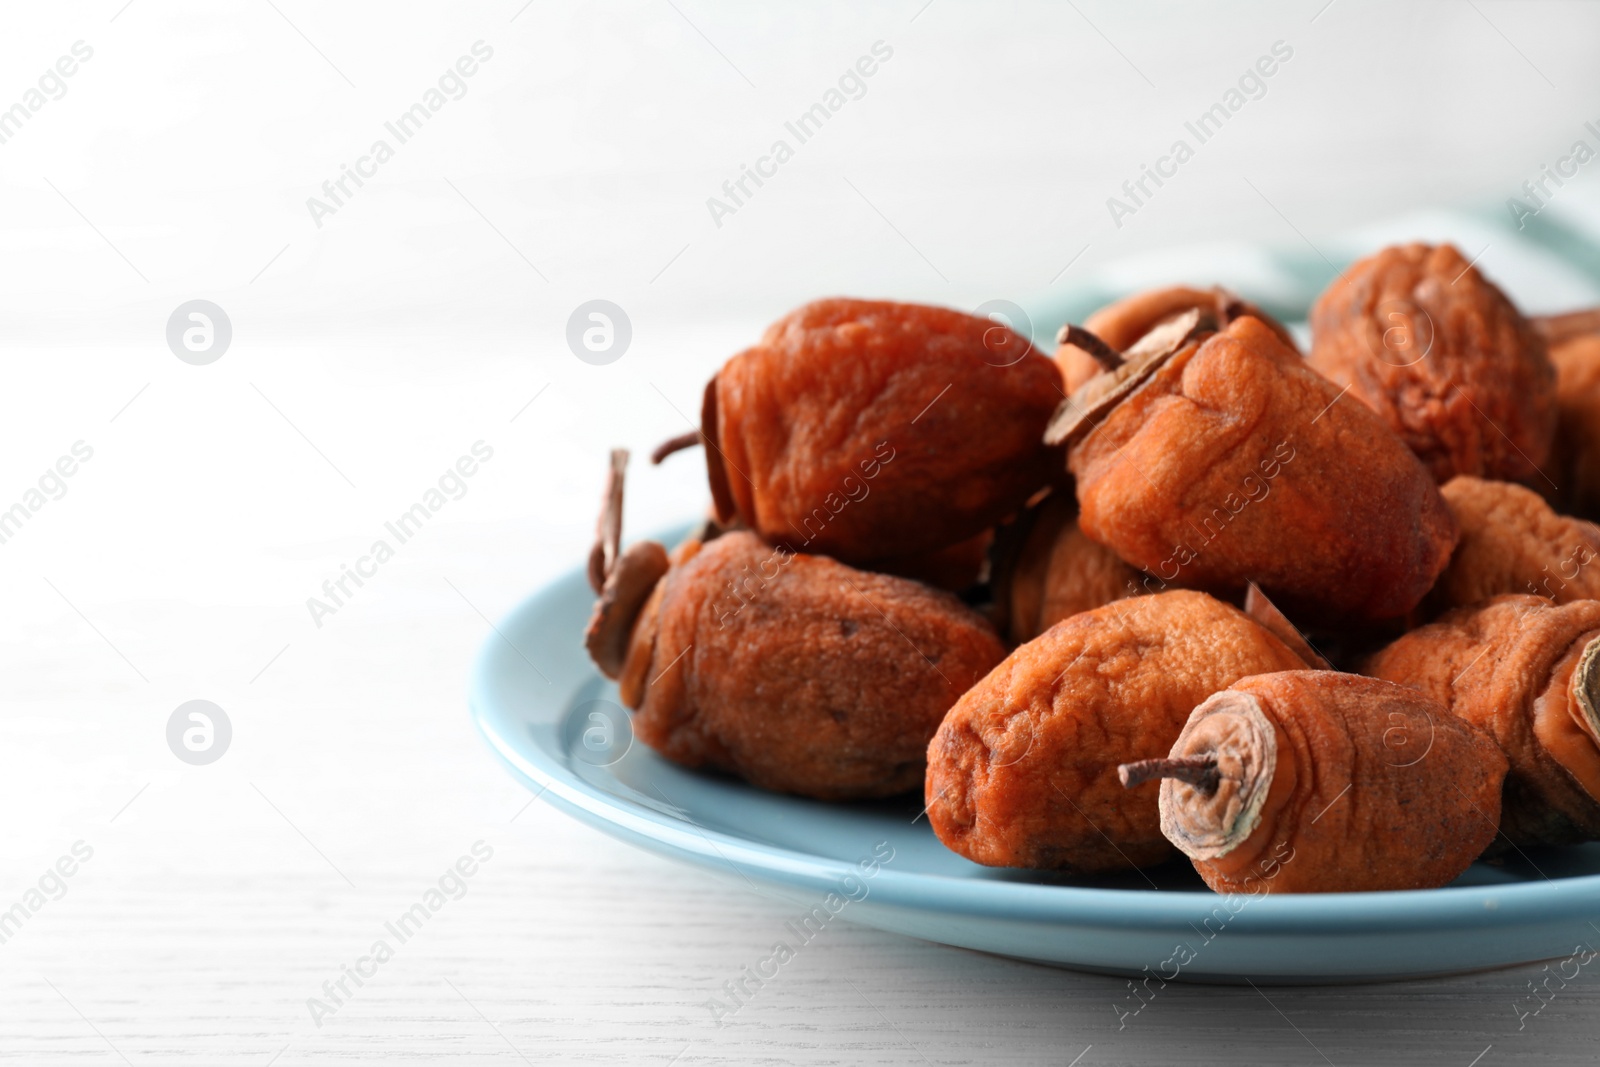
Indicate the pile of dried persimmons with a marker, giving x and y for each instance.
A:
(1321, 623)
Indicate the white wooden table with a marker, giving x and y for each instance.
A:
(429, 313)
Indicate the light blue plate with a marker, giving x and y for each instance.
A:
(554, 721)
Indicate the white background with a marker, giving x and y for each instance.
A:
(372, 351)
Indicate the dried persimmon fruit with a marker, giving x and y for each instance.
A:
(1023, 771)
(1577, 455)
(1527, 671)
(1557, 330)
(1210, 460)
(795, 672)
(865, 429)
(1046, 570)
(1123, 322)
(1444, 358)
(822, 680)
(1512, 541)
(1322, 782)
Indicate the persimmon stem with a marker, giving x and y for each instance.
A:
(1198, 771)
(674, 444)
(608, 531)
(1108, 358)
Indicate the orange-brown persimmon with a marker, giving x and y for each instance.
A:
(1512, 541)
(1443, 357)
(1321, 782)
(865, 429)
(1047, 570)
(1210, 460)
(1023, 771)
(795, 672)
(1527, 671)
(1577, 451)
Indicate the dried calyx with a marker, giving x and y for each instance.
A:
(1124, 372)
(1263, 610)
(1586, 689)
(1216, 778)
(623, 580)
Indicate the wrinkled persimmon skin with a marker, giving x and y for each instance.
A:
(1355, 805)
(1577, 452)
(1236, 463)
(1023, 771)
(1513, 542)
(1059, 572)
(814, 679)
(1481, 401)
(1490, 665)
(865, 429)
